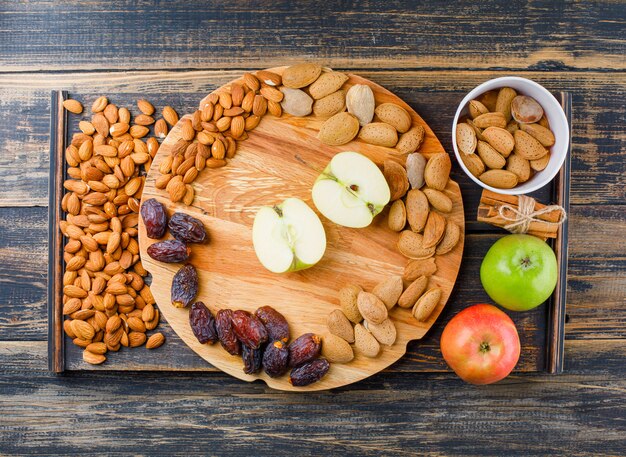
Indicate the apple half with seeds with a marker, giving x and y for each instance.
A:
(351, 190)
(288, 236)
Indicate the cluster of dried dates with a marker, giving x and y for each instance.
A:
(105, 299)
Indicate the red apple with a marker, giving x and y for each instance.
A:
(481, 344)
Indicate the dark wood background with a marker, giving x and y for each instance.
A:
(430, 55)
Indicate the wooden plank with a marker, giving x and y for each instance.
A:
(510, 35)
(599, 152)
(405, 414)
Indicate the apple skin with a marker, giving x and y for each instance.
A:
(481, 344)
(519, 272)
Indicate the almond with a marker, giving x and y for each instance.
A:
(519, 166)
(118, 129)
(502, 179)
(389, 290)
(394, 115)
(396, 178)
(489, 99)
(237, 126)
(97, 348)
(296, 102)
(269, 78)
(380, 134)
(99, 105)
(259, 105)
(526, 109)
(301, 75)
(371, 307)
(139, 131)
(160, 128)
(437, 171)
(415, 165)
(490, 157)
(385, 332)
(365, 342)
(361, 103)
(144, 119)
(540, 133)
(339, 325)
(487, 120)
(476, 108)
(339, 129)
(252, 82)
(101, 124)
(336, 350)
(411, 140)
(473, 164)
(412, 293)
(417, 209)
(94, 359)
(465, 138)
(397, 216)
(86, 127)
(272, 94)
(426, 304)
(170, 115)
(348, 297)
(503, 102)
(439, 200)
(411, 245)
(155, 340)
(225, 99)
(540, 164)
(73, 106)
(136, 339)
(83, 330)
(327, 83)
(275, 109)
(527, 146)
(331, 104)
(237, 93)
(451, 237)
(416, 268)
(433, 232)
(501, 140)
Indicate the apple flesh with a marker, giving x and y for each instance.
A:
(288, 236)
(519, 272)
(481, 344)
(351, 190)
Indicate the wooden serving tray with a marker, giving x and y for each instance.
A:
(282, 158)
(541, 330)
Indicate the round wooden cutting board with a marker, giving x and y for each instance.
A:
(282, 158)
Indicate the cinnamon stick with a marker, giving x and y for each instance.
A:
(489, 212)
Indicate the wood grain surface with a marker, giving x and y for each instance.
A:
(429, 54)
(281, 159)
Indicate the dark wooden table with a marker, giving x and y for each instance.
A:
(430, 55)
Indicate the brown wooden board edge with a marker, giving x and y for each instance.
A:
(56, 338)
(58, 135)
(556, 318)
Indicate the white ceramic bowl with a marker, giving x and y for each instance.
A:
(553, 112)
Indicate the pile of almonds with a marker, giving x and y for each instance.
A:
(209, 138)
(505, 139)
(105, 300)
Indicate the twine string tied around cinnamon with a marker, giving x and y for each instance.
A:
(525, 213)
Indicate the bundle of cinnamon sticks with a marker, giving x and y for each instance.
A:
(501, 211)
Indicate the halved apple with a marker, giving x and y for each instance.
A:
(288, 236)
(351, 190)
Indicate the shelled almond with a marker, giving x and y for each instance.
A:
(105, 299)
(505, 139)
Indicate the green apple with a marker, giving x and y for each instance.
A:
(288, 237)
(519, 272)
(351, 190)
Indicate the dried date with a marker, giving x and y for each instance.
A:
(184, 286)
(249, 329)
(252, 359)
(275, 359)
(275, 323)
(186, 228)
(226, 334)
(202, 323)
(169, 251)
(309, 373)
(304, 348)
(154, 218)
